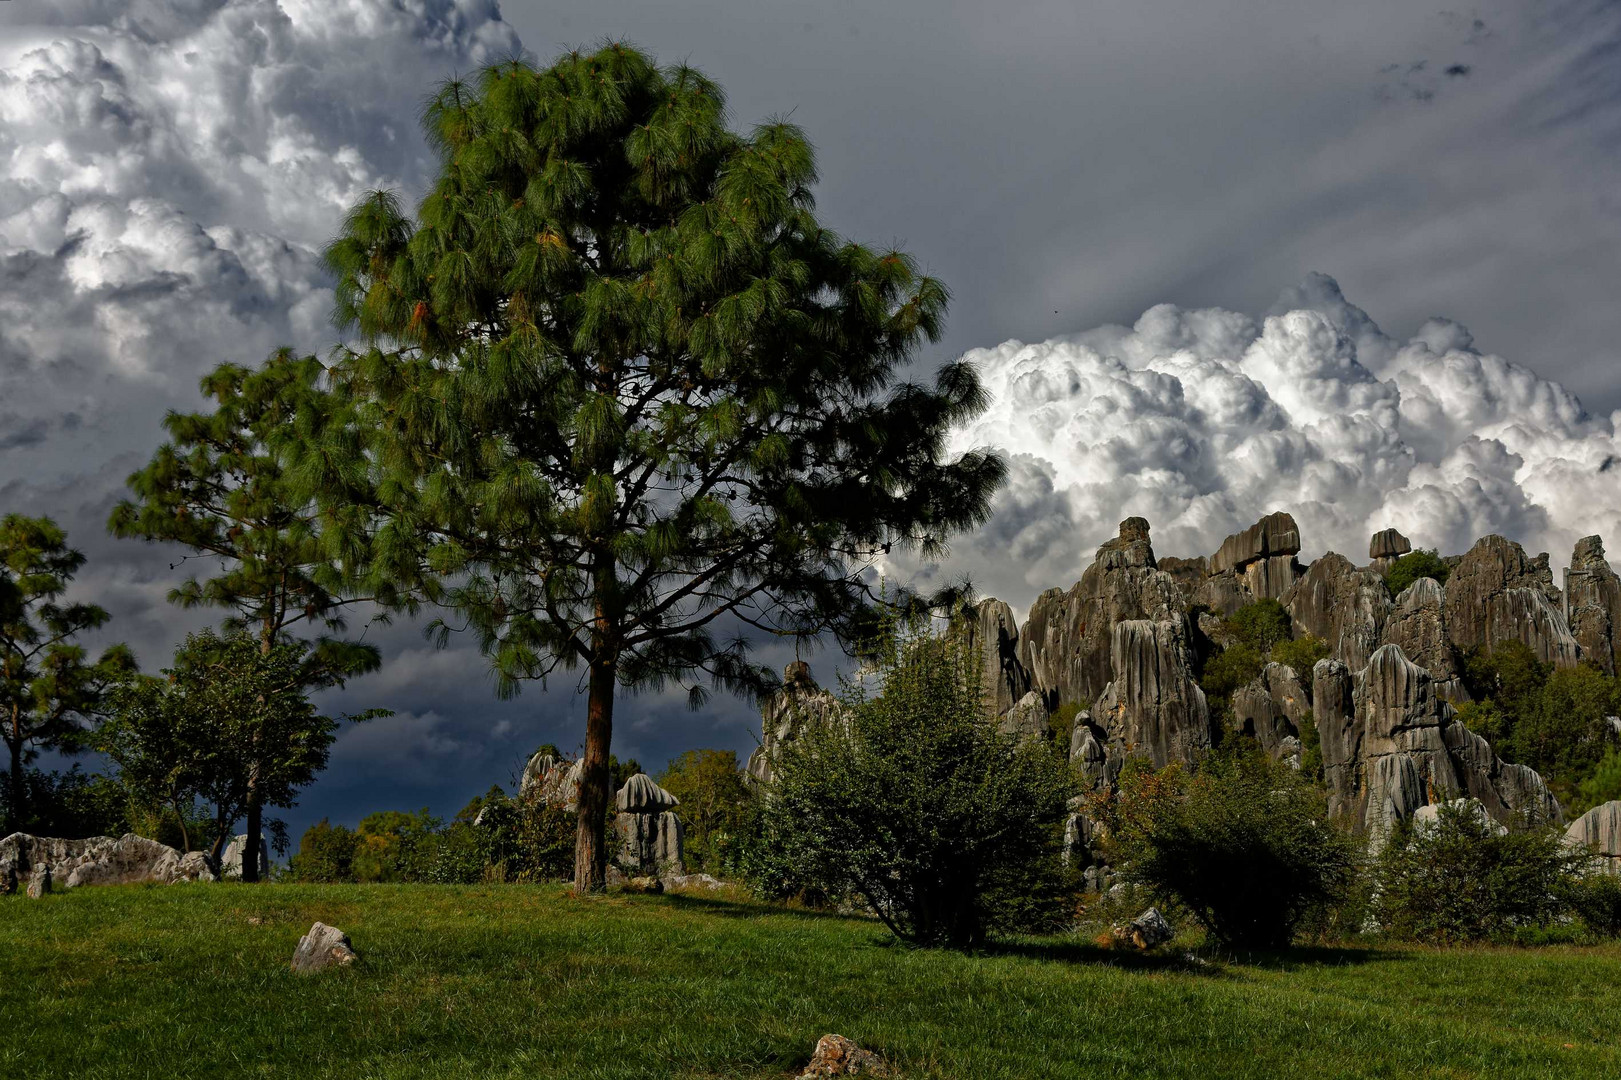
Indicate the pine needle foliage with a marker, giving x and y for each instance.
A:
(629, 402)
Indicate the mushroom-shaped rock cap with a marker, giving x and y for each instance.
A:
(1387, 544)
(641, 796)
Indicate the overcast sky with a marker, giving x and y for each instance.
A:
(1129, 201)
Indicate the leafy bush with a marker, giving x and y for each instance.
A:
(1301, 654)
(1603, 783)
(1233, 667)
(1261, 624)
(326, 854)
(1242, 842)
(918, 805)
(71, 804)
(714, 806)
(1595, 899)
(1423, 563)
(1311, 748)
(1464, 878)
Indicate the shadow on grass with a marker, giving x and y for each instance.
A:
(750, 909)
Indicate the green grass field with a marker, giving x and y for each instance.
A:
(513, 981)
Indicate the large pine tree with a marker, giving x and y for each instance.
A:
(630, 404)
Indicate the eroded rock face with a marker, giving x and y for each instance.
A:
(1066, 644)
(1496, 594)
(1274, 535)
(1027, 719)
(101, 860)
(1344, 606)
(651, 837)
(788, 712)
(1600, 830)
(1154, 706)
(323, 947)
(1271, 708)
(1189, 574)
(1593, 604)
(1390, 745)
(1388, 544)
(994, 634)
(1417, 626)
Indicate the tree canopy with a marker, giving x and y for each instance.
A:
(627, 403)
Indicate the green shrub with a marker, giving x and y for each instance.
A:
(1261, 625)
(714, 806)
(919, 806)
(1231, 668)
(1423, 563)
(1301, 654)
(1242, 842)
(326, 854)
(1462, 878)
(1311, 748)
(527, 842)
(1595, 898)
(1602, 785)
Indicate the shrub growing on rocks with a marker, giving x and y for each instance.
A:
(1243, 843)
(1462, 877)
(920, 807)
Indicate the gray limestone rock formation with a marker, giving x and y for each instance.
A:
(40, 884)
(1344, 606)
(542, 777)
(1189, 574)
(651, 837)
(799, 704)
(1274, 535)
(1391, 745)
(1066, 645)
(1271, 708)
(1388, 545)
(101, 860)
(837, 1056)
(1496, 594)
(1417, 625)
(323, 947)
(1599, 830)
(1154, 706)
(1593, 604)
(231, 857)
(1027, 719)
(994, 634)
(1087, 754)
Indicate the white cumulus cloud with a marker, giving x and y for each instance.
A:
(1204, 420)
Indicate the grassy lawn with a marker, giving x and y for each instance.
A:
(511, 981)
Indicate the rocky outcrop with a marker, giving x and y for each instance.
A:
(1273, 536)
(994, 634)
(837, 1056)
(323, 947)
(799, 704)
(1390, 745)
(1344, 606)
(1593, 605)
(40, 884)
(231, 858)
(1417, 625)
(101, 860)
(1600, 831)
(1027, 719)
(1154, 707)
(1188, 574)
(1387, 546)
(1087, 756)
(651, 837)
(1496, 594)
(1271, 708)
(1066, 645)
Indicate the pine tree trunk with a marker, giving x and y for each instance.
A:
(250, 850)
(14, 788)
(590, 852)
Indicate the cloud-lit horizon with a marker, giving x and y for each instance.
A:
(1129, 188)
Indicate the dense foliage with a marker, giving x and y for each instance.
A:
(621, 391)
(50, 689)
(1463, 877)
(716, 804)
(1556, 721)
(229, 722)
(1255, 635)
(920, 807)
(1242, 842)
(1423, 563)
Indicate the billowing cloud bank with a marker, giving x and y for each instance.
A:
(1203, 420)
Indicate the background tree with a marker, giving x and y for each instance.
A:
(715, 804)
(223, 488)
(229, 724)
(49, 689)
(630, 400)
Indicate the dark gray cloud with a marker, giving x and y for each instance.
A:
(170, 168)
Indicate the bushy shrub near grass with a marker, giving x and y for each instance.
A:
(1423, 563)
(1242, 842)
(918, 806)
(326, 854)
(1462, 877)
(715, 805)
(1594, 897)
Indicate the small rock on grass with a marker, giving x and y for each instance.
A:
(40, 884)
(323, 947)
(1145, 931)
(837, 1056)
